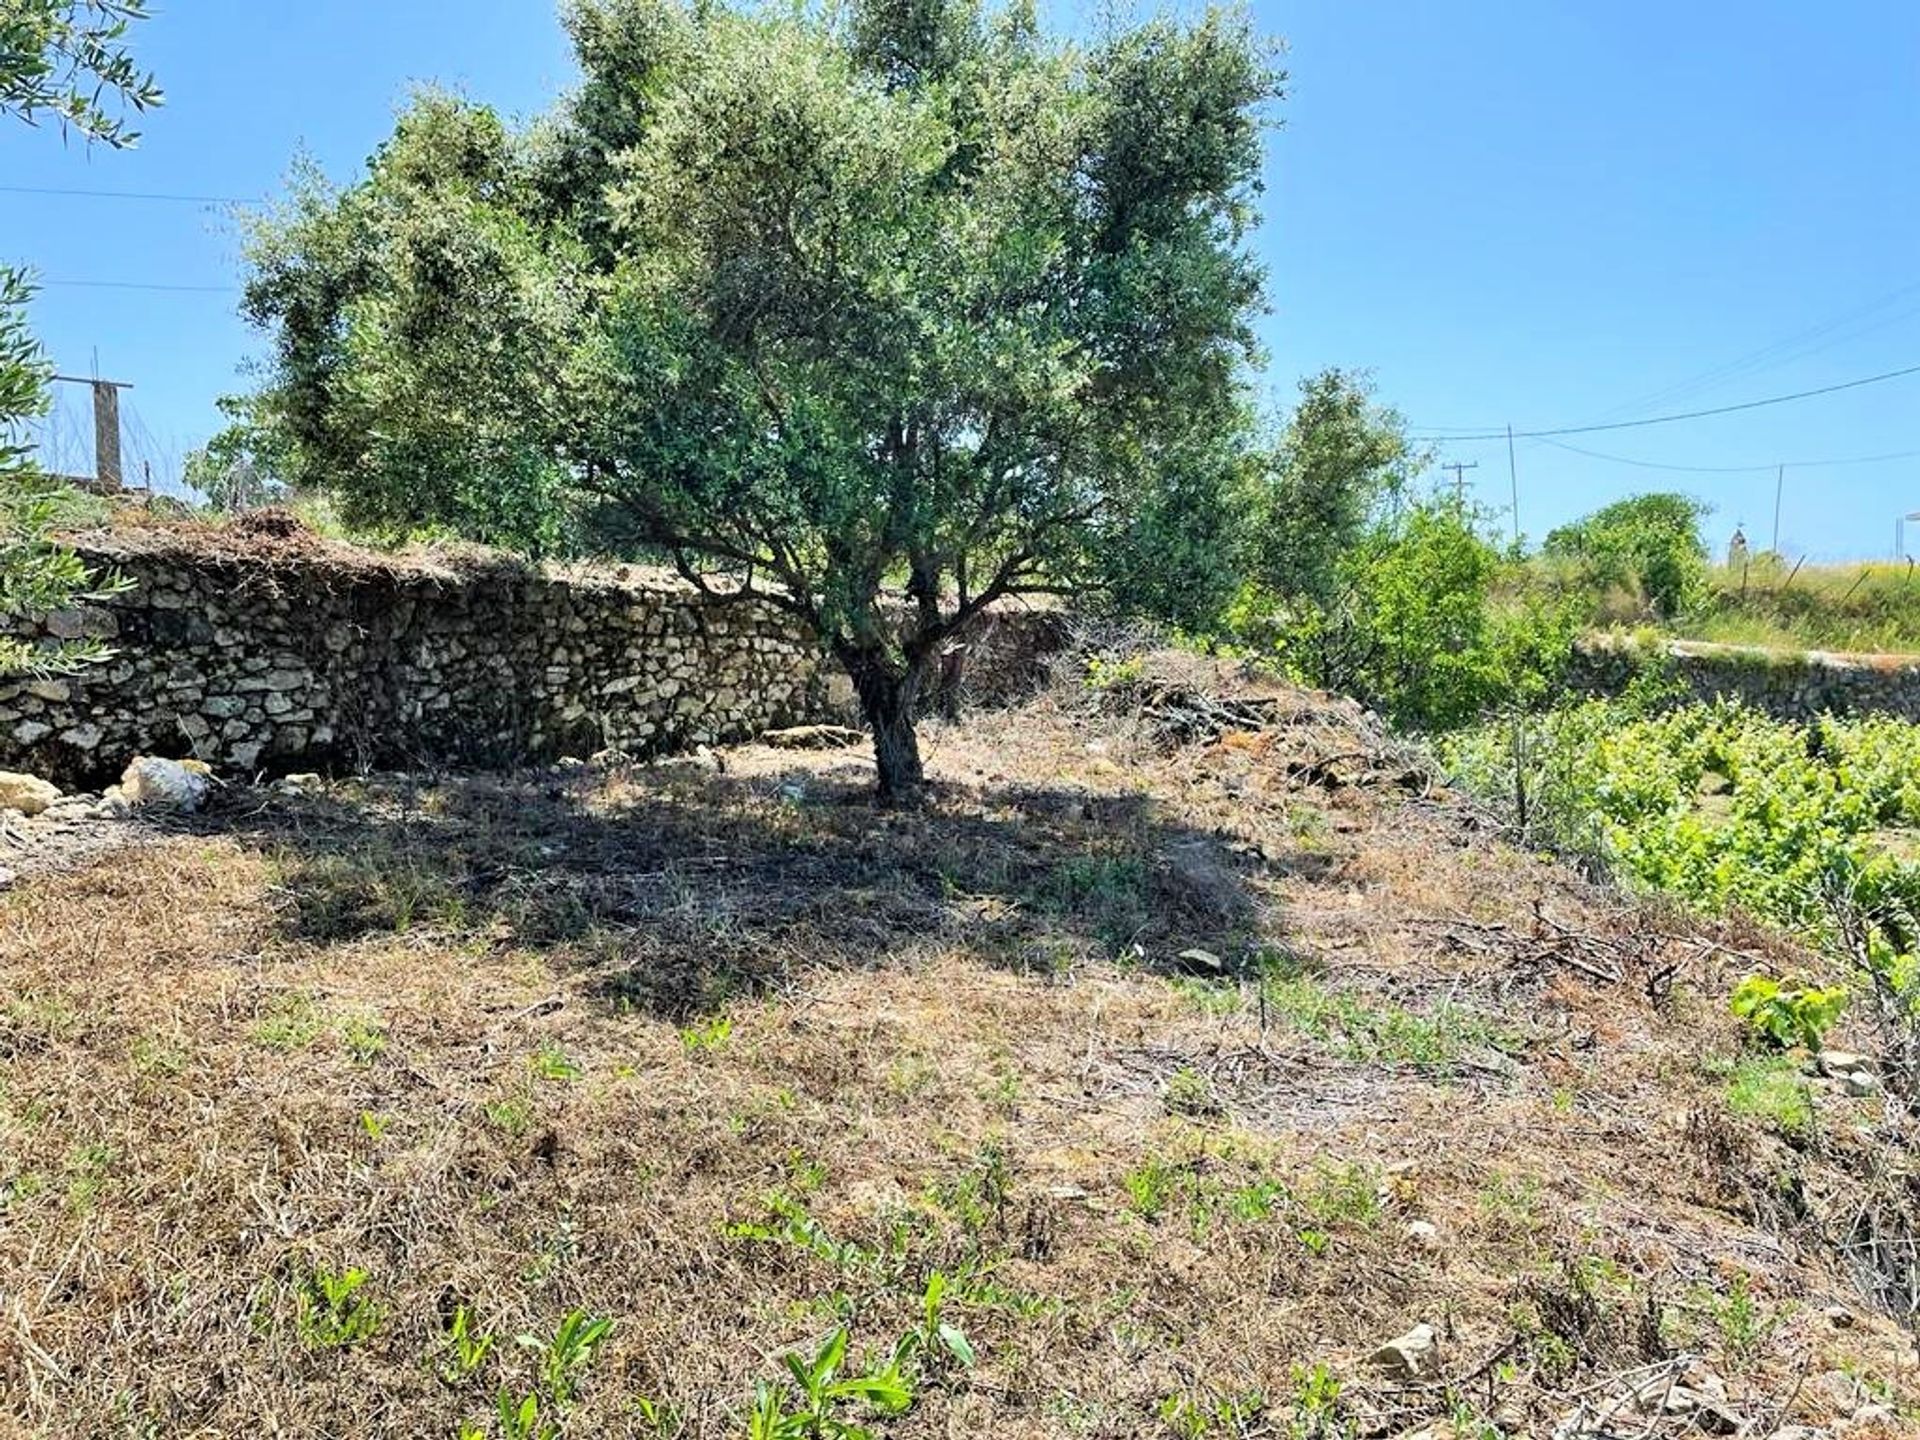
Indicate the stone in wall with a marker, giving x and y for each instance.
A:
(1787, 685)
(277, 652)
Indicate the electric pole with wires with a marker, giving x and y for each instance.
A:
(1459, 469)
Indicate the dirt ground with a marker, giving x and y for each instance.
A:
(1193, 1036)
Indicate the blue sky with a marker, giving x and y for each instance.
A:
(1511, 211)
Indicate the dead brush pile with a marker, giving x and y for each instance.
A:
(1192, 1045)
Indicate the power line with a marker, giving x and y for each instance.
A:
(1670, 419)
(128, 195)
(1796, 346)
(1730, 469)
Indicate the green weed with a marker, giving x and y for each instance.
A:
(330, 1311)
(514, 1114)
(707, 1035)
(820, 1394)
(564, 1358)
(1190, 1093)
(1788, 1014)
(1770, 1089)
(466, 1347)
(1358, 1028)
(550, 1062)
(1196, 1416)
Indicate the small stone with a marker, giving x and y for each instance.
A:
(82, 737)
(1839, 1316)
(1837, 1064)
(1422, 1234)
(1412, 1356)
(1201, 962)
(28, 794)
(29, 732)
(7, 877)
(1861, 1083)
(54, 690)
(287, 680)
(1869, 1418)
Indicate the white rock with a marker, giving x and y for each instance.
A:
(1838, 1063)
(1862, 1082)
(1423, 1234)
(150, 782)
(28, 794)
(1412, 1356)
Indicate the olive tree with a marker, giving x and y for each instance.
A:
(877, 315)
(66, 60)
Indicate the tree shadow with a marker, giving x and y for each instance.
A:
(674, 889)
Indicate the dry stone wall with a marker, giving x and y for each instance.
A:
(275, 653)
(1787, 685)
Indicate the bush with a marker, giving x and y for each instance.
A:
(1648, 543)
(1786, 1014)
(1412, 628)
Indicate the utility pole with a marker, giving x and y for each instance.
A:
(1779, 485)
(106, 429)
(1513, 479)
(1460, 478)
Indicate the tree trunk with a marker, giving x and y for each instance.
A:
(887, 698)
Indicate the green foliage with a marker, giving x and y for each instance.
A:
(1788, 1014)
(1196, 1416)
(551, 1062)
(831, 300)
(36, 574)
(1189, 1092)
(67, 59)
(1723, 807)
(707, 1034)
(235, 470)
(1649, 544)
(1340, 464)
(1858, 607)
(1770, 1088)
(1360, 1028)
(935, 1335)
(519, 1417)
(466, 1347)
(820, 1395)
(1316, 1405)
(1412, 628)
(564, 1357)
(331, 1312)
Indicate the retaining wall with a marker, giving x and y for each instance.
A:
(1788, 685)
(277, 651)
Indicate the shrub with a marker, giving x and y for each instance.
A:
(1647, 542)
(1788, 1014)
(1413, 629)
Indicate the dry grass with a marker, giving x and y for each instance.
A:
(736, 1060)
